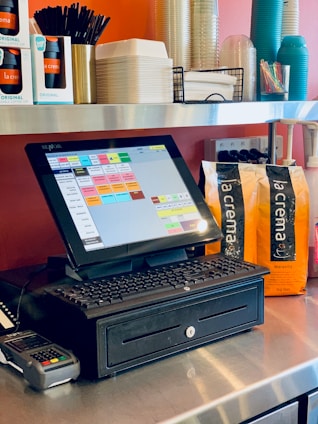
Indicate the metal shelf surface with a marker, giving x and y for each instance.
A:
(44, 119)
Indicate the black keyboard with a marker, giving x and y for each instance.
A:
(159, 282)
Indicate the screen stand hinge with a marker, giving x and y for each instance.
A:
(98, 270)
(164, 258)
(105, 269)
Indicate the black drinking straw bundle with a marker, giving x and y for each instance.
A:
(78, 22)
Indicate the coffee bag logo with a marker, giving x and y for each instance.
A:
(282, 214)
(232, 206)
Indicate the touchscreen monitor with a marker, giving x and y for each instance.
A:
(116, 199)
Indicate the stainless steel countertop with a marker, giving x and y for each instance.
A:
(45, 119)
(224, 382)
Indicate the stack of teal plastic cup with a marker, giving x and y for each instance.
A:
(294, 52)
(266, 29)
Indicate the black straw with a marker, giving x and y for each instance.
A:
(77, 22)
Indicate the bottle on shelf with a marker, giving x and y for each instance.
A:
(52, 62)
(10, 71)
(293, 51)
(8, 17)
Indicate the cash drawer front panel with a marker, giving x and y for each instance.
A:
(143, 335)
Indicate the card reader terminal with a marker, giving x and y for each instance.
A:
(43, 364)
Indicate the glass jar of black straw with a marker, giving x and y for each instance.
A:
(8, 17)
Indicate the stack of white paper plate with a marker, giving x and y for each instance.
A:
(133, 71)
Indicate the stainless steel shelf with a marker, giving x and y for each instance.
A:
(44, 119)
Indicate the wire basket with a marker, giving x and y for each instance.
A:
(178, 86)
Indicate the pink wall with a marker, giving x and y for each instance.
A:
(235, 18)
(27, 232)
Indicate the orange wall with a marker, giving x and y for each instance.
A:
(27, 232)
(129, 18)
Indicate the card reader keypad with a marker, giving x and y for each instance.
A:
(49, 356)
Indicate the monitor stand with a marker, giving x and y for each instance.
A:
(116, 267)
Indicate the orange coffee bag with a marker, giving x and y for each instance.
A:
(283, 228)
(230, 191)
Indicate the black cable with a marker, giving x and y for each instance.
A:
(32, 275)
